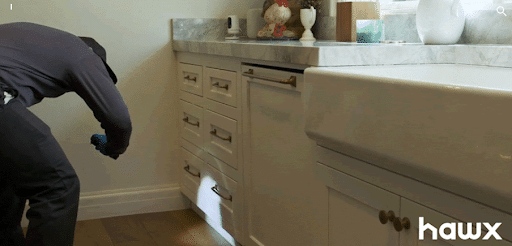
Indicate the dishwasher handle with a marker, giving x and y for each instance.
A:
(291, 81)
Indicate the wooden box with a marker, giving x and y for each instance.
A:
(347, 14)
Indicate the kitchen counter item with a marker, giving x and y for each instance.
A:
(276, 17)
(370, 31)
(308, 17)
(440, 21)
(347, 15)
(233, 27)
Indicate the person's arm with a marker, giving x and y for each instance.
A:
(90, 80)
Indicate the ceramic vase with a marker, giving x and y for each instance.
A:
(440, 21)
(307, 18)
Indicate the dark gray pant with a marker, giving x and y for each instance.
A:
(33, 167)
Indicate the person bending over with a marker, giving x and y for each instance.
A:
(37, 61)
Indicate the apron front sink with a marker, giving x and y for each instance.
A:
(447, 125)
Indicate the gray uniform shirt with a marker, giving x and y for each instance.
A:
(40, 61)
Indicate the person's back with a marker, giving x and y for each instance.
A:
(37, 62)
(40, 58)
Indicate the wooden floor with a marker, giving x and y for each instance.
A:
(176, 228)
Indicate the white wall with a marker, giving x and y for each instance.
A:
(136, 35)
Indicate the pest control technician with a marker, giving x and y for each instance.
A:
(37, 62)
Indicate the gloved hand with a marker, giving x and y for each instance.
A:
(100, 141)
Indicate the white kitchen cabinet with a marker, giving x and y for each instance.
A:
(211, 149)
(249, 166)
(354, 206)
(360, 202)
(411, 237)
(285, 204)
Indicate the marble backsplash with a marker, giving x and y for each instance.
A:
(204, 29)
(482, 27)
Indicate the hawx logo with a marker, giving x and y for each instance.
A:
(458, 229)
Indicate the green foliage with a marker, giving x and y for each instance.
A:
(306, 4)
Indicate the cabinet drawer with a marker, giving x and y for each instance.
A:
(220, 86)
(220, 137)
(217, 197)
(191, 78)
(192, 169)
(192, 123)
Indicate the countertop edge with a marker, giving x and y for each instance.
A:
(257, 51)
(330, 53)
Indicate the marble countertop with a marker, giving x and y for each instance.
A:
(332, 53)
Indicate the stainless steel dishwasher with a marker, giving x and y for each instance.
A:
(285, 204)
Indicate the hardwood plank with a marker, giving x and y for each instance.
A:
(91, 232)
(127, 231)
(174, 228)
(180, 228)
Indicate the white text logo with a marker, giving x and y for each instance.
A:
(458, 228)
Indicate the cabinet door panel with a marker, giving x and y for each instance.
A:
(352, 221)
(413, 211)
(354, 207)
(286, 205)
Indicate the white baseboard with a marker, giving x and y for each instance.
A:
(112, 203)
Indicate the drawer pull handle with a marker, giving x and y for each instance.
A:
(214, 132)
(291, 81)
(400, 224)
(194, 124)
(187, 168)
(220, 86)
(385, 217)
(216, 190)
(189, 78)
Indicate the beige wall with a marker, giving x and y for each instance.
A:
(136, 35)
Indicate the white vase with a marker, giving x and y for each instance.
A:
(440, 21)
(308, 18)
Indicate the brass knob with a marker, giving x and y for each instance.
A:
(400, 224)
(384, 217)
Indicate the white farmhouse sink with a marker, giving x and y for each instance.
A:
(446, 125)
